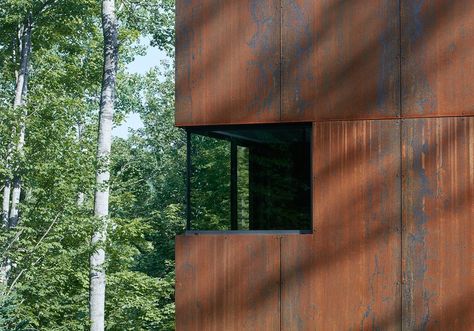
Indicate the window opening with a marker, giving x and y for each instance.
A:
(252, 177)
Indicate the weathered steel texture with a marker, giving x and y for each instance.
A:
(227, 61)
(340, 59)
(438, 57)
(347, 277)
(227, 283)
(438, 222)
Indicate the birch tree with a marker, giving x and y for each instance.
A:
(101, 204)
(49, 285)
(22, 18)
(24, 36)
(27, 15)
(20, 98)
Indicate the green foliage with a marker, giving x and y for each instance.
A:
(8, 321)
(146, 303)
(210, 198)
(52, 250)
(48, 283)
(148, 208)
(153, 18)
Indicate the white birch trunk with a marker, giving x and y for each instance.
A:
(18, 91)
(101, 203)
(5, 263)
(16, 192)
(80, 195)
(20, 100)
(11, 220)
(6, 202)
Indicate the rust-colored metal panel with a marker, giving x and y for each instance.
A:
(438, 57)
(340, 59)
(227, 283)
(227, 62)
(347, 275)
(438, 221)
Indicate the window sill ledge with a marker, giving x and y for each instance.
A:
(247, 232)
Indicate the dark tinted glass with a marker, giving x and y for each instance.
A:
(271, 178)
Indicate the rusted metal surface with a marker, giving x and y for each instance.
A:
(227, 61)
(347, 276)
(438, 57)
(340, 59)
(438, 221)
(227, 283)
(358, 270)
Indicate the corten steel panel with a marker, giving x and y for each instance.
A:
(227, 61)
(438, 57)
(340, 59)
(227, 283)
(347, 276)
(438, 221)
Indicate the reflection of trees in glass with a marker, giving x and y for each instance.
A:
(243, 187)
(273, 179)
(210, 183)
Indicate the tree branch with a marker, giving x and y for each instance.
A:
(17, 235)
(37, 260)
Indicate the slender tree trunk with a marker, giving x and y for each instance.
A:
(6, 202)
(7, 185)
(5, 263)
(101, 202)
(11, 220)
(20, 100)
(16, 192)
(80, 194)
(20, 92)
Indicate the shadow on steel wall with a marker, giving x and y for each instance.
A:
(339, 59)
(354, 257)
(358, 77)
(228, 61)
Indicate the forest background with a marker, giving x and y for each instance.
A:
(46, 254)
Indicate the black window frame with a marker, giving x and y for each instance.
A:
(204, 130)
